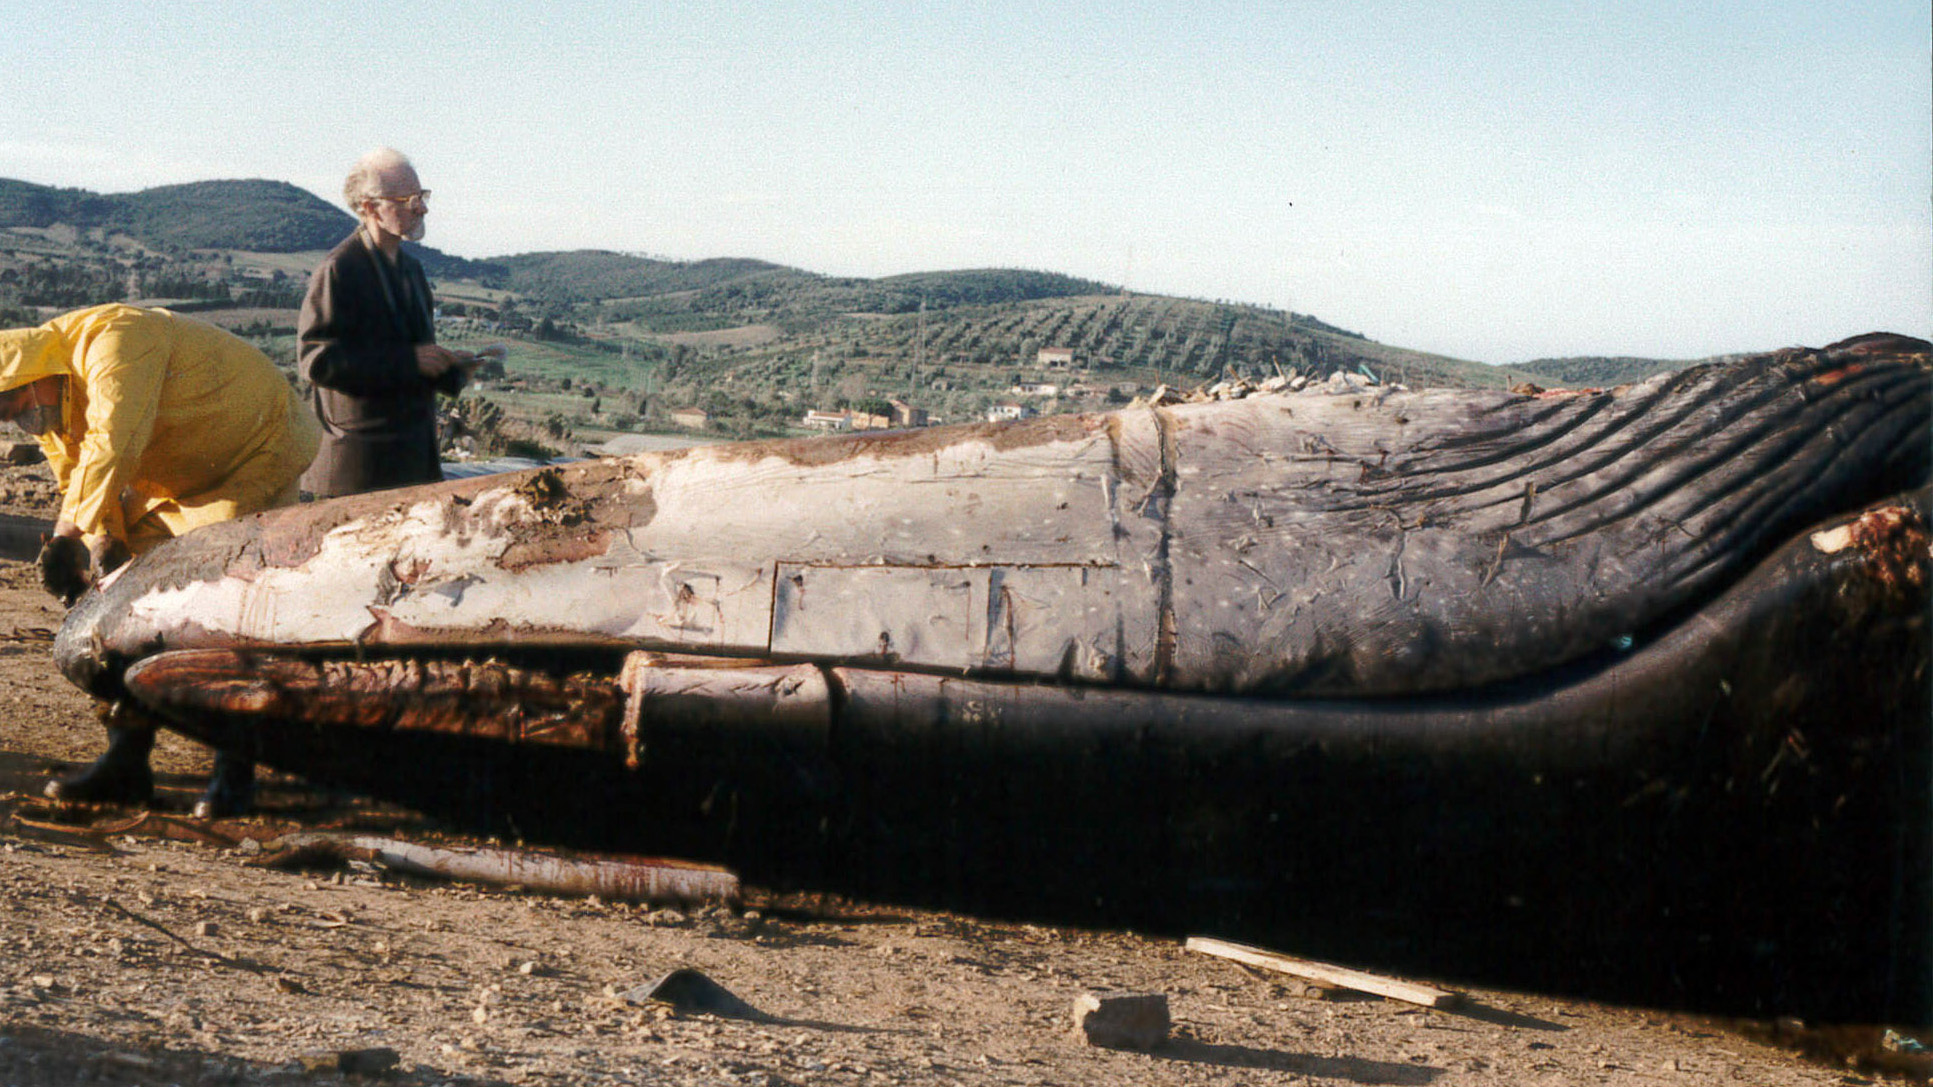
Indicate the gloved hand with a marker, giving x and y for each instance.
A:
(66, 568)
(104, 556)
(70, 565)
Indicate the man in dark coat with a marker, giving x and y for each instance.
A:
(367, 342)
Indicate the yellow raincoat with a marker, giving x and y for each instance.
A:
(169, 423)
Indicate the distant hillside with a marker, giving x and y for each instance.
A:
(26, 204)
(1592, 372)
(1000, 317)
(748, 312)
(250, 216)
(596, 275)
(976, 317)
(260, 216)
(974, 287)
(746, 338)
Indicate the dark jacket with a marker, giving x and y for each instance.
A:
(356, 342)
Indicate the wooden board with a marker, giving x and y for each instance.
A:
(1326, 973)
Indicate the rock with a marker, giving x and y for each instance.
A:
(355, 1062)
(689, 991)
(21, 452)
(1122, 1020)
(367, 1062)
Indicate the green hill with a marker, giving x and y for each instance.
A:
(596, 275)
(973, 287)
(249, 216)
(260, 216)
(747, 310)
(755, 314)
(1595, 372)
(26, 204)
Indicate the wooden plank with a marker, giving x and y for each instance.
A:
(1326, 973)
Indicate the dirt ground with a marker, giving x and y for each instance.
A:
(149, 951)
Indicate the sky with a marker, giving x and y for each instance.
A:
(1495, 181)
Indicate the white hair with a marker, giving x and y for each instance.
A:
(364, 182)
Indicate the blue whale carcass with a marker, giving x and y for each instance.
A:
(1617, 692)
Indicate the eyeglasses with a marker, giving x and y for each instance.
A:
(407, 198)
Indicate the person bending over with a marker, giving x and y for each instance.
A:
(155, 424)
